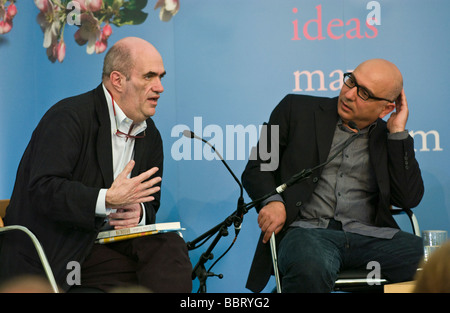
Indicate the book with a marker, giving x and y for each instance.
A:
(138, 231)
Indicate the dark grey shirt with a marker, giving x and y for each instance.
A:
(347, 191)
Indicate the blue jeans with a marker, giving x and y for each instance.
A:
(310, 259)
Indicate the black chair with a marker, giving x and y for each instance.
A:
(353, 280)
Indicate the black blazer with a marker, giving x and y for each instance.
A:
(306, 128)
(67, 161)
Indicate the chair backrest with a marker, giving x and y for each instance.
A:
(3, 205)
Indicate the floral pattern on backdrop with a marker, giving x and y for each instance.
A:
(92, 17)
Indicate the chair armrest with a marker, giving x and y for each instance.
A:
(411, 216)
(39, 250)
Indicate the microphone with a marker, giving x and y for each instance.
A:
(305, 173)
(190, 134)
(239, 214)
(352, 125)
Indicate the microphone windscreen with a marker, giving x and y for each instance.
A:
(188, 133)
(352, 125)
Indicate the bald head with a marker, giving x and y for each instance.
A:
(132, 74)
(122, 55)
(383, 74)
(381, 84)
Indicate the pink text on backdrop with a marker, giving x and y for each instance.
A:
(313, 29)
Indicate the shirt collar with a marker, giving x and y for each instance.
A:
(123, 122)
(367, 130)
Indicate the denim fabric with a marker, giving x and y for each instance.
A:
(310, 258)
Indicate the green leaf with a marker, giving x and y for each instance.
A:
(135, 4)
(114, 4)
(129, 17)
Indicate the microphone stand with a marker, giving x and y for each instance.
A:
(236, 217)
(199, 270)
(221, 229)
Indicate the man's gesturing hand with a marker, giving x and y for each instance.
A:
(125, 191)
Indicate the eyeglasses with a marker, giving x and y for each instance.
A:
(363, 93)
(119, 133)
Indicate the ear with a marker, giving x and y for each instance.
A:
(388, 108)
(116, 79)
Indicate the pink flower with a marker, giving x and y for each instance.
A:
(5, 26)
(12, 11)
(168, 9)
(95, 5)
(107, 30)
(51, 53)
(50, 23)
(60, 51)
(90, 5)
(57, 51)
(89, 32)
(78, 39)
(6, 18)
(102, 43)
(42, 5)
(100, 46)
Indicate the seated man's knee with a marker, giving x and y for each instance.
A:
(307, 265)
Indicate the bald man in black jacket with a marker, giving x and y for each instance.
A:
(338, 203)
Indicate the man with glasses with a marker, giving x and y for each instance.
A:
(95, 162)
(339, 218)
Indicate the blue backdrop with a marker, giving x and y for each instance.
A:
(229, 63)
